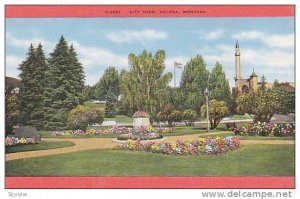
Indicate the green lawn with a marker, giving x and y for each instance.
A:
(40, 146)
(120, 119)
(249, 160)
(240, 117)
(100, 106)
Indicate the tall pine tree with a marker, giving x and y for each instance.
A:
(76, 78)
(65, 84)
(32, 87)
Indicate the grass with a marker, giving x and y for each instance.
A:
(240, 117)
(41, 146)
(120, 119)
(249, 160)
(100, 106)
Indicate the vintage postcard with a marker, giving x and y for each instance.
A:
(149, 96)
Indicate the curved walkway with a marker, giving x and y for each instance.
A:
(82, 144)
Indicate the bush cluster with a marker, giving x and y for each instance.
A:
(81, 117)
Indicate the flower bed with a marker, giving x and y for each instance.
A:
(115, 130)
(140, 114)
(13, 141)
(133, 136)
(201, 146)
(265, 129)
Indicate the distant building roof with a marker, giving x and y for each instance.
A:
(287, 88)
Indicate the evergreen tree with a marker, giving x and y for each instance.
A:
(26, 68)
(276, 84)
(88, 93)
(194, 80)
(12, 111)
(64, 89)
(219, 85)
(263, 83)
(32, 89)
(76, 79)
(110, 106)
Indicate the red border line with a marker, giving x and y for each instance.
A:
(68, 11)
(61, 11)
(150, 182)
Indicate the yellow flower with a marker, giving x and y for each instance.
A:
(173, 146)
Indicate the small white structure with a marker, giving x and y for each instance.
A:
(139, 121)
(107, 123)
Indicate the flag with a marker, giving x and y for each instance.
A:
(177, 65)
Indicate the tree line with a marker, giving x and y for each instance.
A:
(52, 87)
(145, 85)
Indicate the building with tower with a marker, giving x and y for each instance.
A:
(243, 85)
(251, 84)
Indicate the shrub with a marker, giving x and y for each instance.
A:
(110, 105)
(161, 116)
(176, 116)
(169, 114)
(189, 117)
(80, 117)
(217, 111)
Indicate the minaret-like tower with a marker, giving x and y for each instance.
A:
(237, 61)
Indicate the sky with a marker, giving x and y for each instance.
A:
(266, 44)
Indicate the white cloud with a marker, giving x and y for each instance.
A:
(271, 40)
(276, 59)
(267, 57)
(130, 36)
(92, 57)
(272, 62)
(248, 35)
(214, 35)
(12, 62)
(283, 41)
(25, 43)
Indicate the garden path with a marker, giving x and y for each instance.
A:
(82, 144)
